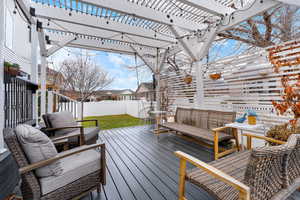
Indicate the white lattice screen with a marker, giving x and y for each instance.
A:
(247, 82)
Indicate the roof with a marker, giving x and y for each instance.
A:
(147, 85)
(112, 92)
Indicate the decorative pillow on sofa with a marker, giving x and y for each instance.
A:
(37, 147)
(62, 119)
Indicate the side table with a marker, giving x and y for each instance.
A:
(242, 127)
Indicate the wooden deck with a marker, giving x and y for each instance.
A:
(140, 167)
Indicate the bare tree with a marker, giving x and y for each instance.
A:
(83, 77)
(273, 26)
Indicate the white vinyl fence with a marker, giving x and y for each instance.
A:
(135, 108)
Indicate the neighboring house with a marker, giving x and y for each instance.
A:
(145, 91)
(116, 95)
(55, 79)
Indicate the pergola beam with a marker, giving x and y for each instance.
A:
(98, 45)
(211, 7)
(76, 18)
(240, 16)
(147, 13)
(291, 2)
(74, 29)
(185, 43)
(25, 11)
(59, 45)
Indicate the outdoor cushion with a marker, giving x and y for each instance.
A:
(234, 165)
(37, 147)
(199, 118)
(195, 131)
(89, 134)
(62, 119)
(74, 167)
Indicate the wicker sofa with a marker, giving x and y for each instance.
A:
(205, 127)
(265, 173)
(83, 171)
(60, 124)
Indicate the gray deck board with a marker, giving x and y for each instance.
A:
(141, 167)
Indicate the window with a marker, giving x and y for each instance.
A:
(9, 26)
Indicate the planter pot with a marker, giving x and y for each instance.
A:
(188, 79)
(215, 76)
(12, 71)
(252, 120)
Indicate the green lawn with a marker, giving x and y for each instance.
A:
(114, 121)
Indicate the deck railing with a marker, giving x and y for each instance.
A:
(56, 102)
(18, 101)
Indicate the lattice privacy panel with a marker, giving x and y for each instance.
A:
(247, 82)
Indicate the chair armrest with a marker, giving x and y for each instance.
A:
(89, 120)
(220, 129)
(80, 135)
(66, 136)
(43, 163)
(61, 128)
(249, 135)
(218, 174)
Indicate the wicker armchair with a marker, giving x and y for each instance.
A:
(62, 124)
(33, 187)
(265, 173)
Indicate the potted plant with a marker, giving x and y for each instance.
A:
(252, 117)
(215, 76)
(282, 132)
(188, 79)
(12, 69)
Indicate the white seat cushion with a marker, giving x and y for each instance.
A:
(74, 167)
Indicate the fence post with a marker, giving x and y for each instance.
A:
(50, 102)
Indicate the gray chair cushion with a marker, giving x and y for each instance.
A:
(62, 119)
(37, 147)
(74, 167)
(89, 134)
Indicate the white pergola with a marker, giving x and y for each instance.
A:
(150, 29)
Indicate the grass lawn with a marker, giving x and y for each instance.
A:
(115, 121)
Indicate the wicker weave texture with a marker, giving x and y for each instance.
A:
(30, 185)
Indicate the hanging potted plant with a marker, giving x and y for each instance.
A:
(188, 79)
(12, 69)
(215, 76)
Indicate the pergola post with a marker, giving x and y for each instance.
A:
(34, 68)
(199, 85)
(157, 78)
(2, 36)
(43, 79)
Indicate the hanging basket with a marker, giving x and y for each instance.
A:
(188, 79)
(215, 76)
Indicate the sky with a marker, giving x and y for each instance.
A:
(118, 66)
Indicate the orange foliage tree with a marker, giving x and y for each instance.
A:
(290, 102)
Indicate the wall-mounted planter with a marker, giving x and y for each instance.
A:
(12, 69)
